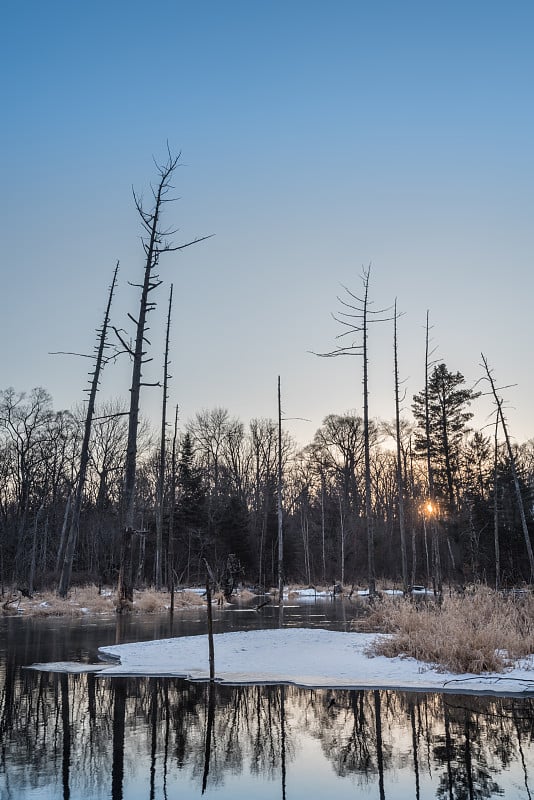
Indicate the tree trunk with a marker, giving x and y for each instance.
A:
(64, 581)
(367, 451)
(513, 469)
(496, 513)
(172, 502)
(154, 246)
(161, 477)
(279, 516)
(400, 478)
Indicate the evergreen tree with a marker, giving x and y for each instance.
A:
(233, 532)
(191, 505)
(190, 514)
(448, 409)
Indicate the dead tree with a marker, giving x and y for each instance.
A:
(400, 476)
(162, 457)
(356, 320)
(100, 361)
(431, 506)
(280, 517)
(172, 501)
(155, 243)
(513, 466)
(496, 506)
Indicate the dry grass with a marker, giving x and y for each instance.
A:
(151, 602)
(247, 595)
(82, 600)
(187, 599)
(482, 632)
(87, 600)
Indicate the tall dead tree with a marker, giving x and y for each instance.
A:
(100, 360)
(513, 467)
(496, 542)
(431, 507)
(356, 320)
(172, 503)
(155, 242)
(400, 475)
(162, 458)
(280, 516)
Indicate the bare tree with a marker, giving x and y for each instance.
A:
(263, 444)
(513, 467)
(400, 476)
(172, 503)
(356, 320)
(496, 543)
(24, 422)
(155, 243)
(431, 505)
(100, 360)
(162, 457)
(280, 515)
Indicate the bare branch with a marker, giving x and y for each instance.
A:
(68, 353)
(127, 348)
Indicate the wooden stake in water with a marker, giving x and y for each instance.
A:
(210, 630)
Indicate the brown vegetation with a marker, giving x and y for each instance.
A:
(478, 632)
(88, 599)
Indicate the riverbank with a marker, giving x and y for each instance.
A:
(478, 633)
(312, 658)
(90, 600)
(84, 600)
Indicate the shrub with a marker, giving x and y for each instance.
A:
(482, 632)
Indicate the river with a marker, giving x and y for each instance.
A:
(87, 737)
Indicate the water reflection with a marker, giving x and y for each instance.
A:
(90, 737)
(84, 736)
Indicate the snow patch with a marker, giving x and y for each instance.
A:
(302, 656)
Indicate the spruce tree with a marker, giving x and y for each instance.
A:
(448, 415)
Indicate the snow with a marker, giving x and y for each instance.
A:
(301, 656)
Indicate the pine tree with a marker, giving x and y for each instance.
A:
(191, 505)
(448, 415)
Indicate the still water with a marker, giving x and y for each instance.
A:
(89, 737)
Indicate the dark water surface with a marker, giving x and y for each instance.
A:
(85, 736)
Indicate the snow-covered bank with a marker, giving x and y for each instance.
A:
(301, 656)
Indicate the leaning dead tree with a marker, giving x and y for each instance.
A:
(156, 241)
(158, 579)
(356, 319)
(513, 466)
(100, 361)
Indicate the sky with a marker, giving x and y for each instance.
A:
(317, 139)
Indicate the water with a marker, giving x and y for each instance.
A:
(85, 736)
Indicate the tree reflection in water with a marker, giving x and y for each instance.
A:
(92, 737)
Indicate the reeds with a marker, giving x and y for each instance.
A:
(473, 633)
(85, 600)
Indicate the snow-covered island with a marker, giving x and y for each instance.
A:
(300, 656)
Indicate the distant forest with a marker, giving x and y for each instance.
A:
(100, 496)
(220, 497)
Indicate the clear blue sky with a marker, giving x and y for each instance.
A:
(316, 138)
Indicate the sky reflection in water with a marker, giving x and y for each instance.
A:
(81, 736)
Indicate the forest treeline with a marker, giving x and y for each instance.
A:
(220, 496)
(95, 495)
